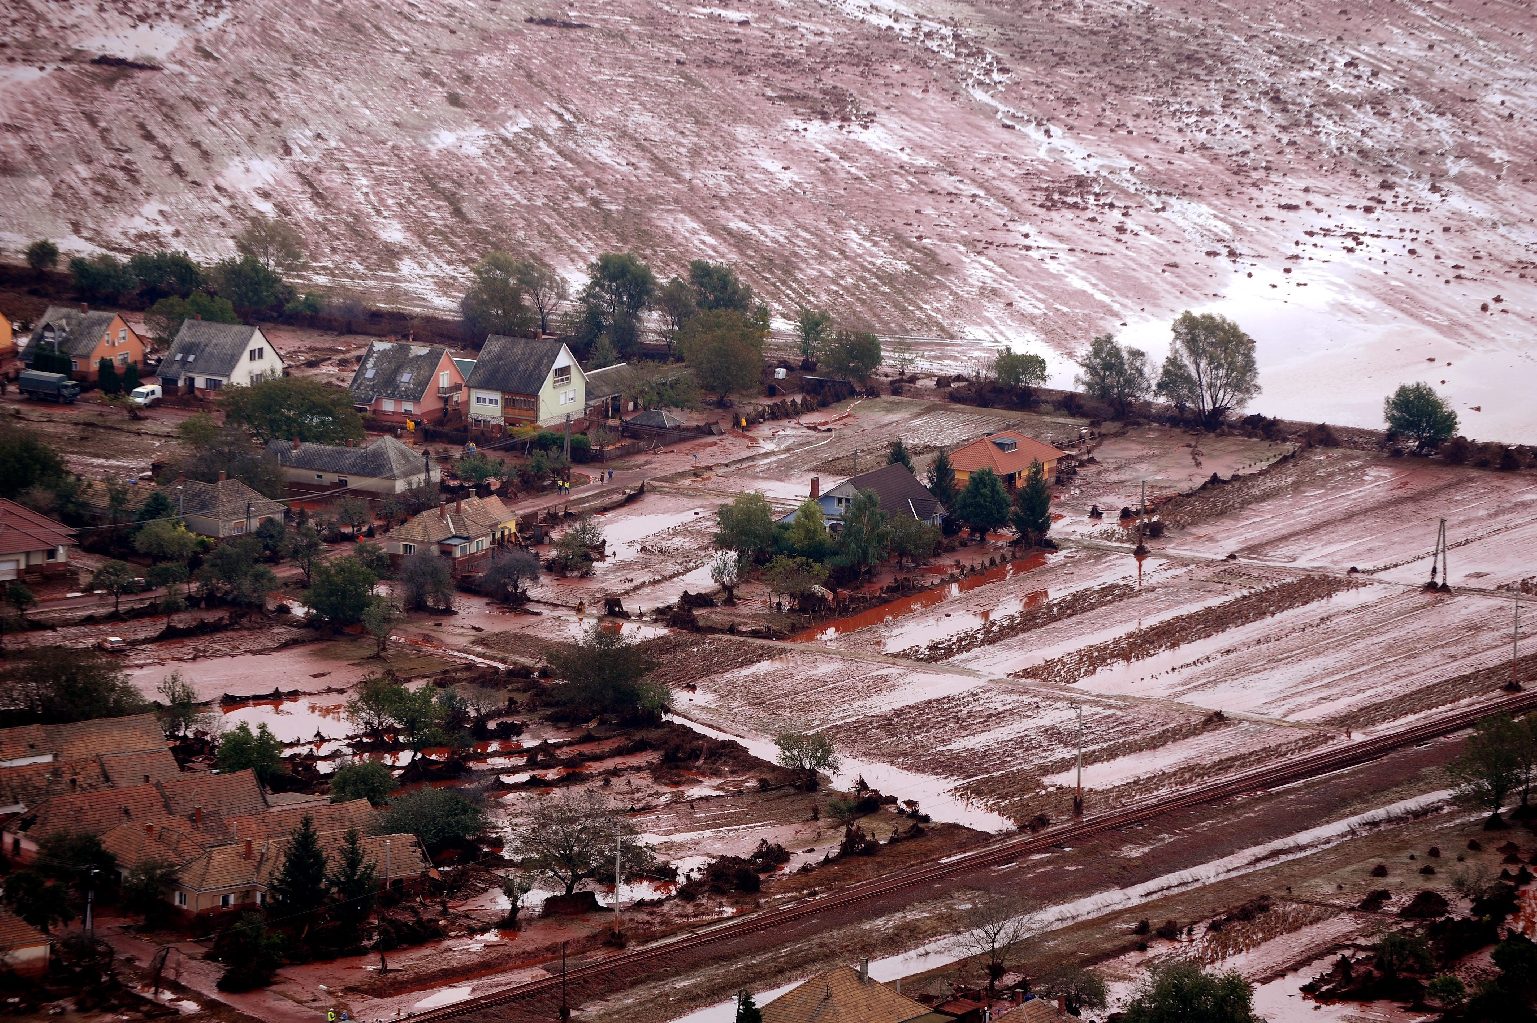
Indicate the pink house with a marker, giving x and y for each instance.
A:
(399, 381)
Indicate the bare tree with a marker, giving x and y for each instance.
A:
(995, 929)
(546, 289)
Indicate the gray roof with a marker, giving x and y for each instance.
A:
(898, 490)
(384, 459)
(205, 347)
(391, 370)
(226, 499)
(514, 365)
(74, 332)
(656, 419)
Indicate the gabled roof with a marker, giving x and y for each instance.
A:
(99, 736)
(75, 333)
(167, 839)
(393, 370)
(354, 813)
(100, 811)
(840, 996)
(466, 367)
(226, 499)
(22, 530)
(985, 453)
(620, 378)
(216, 795)
(899, 492)
(17, 934)
(140, 767)
(655, 419)
(384, 459)
(515, 365)
(204, 347)
(472, 517)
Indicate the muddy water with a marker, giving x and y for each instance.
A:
(913, 602)
(311, 667)
(296, 720)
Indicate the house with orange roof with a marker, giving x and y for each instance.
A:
(1008, 454)
(24, 950)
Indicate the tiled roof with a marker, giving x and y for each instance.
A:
(23, 530)
(75, 333)
(898, 489)
(393, 370)
(136, 768)
(225, 866)
(1038, 1010)
(100, 736)
(98, 812)
(473, 517)
(167, 839)
(31, 784)
(840, 996)
(384, 459)
(514, 365)
(204, 347)
(16, 933)
(224, 500)
(216, 795)
(401, 855)
(984, 453)
(23, 740)
(355, 813)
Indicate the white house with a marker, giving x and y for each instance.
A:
(209, 356)
(525, 382)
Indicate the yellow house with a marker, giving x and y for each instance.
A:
(1008, 454)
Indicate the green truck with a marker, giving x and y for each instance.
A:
(48, 386)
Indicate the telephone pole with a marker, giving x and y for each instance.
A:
(1078, 795)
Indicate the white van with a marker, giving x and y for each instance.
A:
(146, 395)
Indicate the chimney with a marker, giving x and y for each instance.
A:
(816, 487)
(1062, 1005)
(864, 971)
(222, 476)
(458, 506)
(197, 816)
(84, 308)
(149, 829)
(248, 848)
(296, 443)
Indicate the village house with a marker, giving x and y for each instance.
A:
(386, 466)
(223, 509)
(846, 995)
(85, 338)
(24, 950)
(464, 532)
(401, 382)
(1008, 454)
(7, 347)
(208, 356)
(32, 546)
(525, 382)
(894, 486)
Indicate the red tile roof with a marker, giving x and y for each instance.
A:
(98, 812)
(216, 795)
(984, 453)
(16, 933)
(22, 529)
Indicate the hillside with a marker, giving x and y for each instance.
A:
(1351, 182)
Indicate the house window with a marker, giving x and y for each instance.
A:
(212, 383)
(386, 404)
(562, 376)
(74, 365)
(257, 354)
(237, 528)
(464, 549)
(181, 898)
(261, 898)
(122, 335)
(408, 548)
(488, 399)
(408, 407)
(226, 901)
(122, 360)
(443, 379)
(341, 481)
(480, 545)
(320, 476)
(53, 553)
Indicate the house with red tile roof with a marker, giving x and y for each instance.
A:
(32, 546)
(24, 950)
(1008, 454)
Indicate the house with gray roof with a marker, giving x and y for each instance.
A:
(222, 509)
(208, 356)
(397, 382)
(521, 381)
(84, 338)
(386, 466)
(894, 486)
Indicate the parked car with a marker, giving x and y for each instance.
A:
(145, 395)
(113, 644)
(47, 386)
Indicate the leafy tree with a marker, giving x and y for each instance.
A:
(479, 467)
(353, 886)
(30, 896)
(166, 539)
(605, 674)
(439, 817)
(813, 327)
(810, 753)
(995, 931)
(156, 506)
(380, 617)
(251, 953)
(1031, 515)
(1490, 765)
(77, 859)
(260, 751)
(675, 301)
(508, 575)
(286, 407)
(569, 836)
(371, 710)
(342, 591)
(210, 448)
(272, 534)
(1210, 367)
(426, 582)
(496, 301)
(164, 274)
(1079, 988)
(1400, 953)
(147, 888)
(303, 546)
(272, 243)
(233, 570)
(865, 538)
(603, 354)
(54, 685)
(107, 378)
(164, 319)
(671, 390)
(746, 525)
(1184, 993)
(1419, 413)
(726, 572)
(794, 577)
(102, 278)
(619, 288)
(25, 461)
(1019, 370)
(852, 354)
(544, 287)
(1448, 990)
(717, 286)
(362, 779)
(178, 712)
(253, 289)
(807, 535)
(912, 541)
(18, 596)
(1114, 373)
(116, 578)
(724, 348)
(984, 503)
(42, 255)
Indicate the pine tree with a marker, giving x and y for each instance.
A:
(353, 885)
(1031, 515)
(984, 504)
(898, 453)
(130, 377)
(107, 378)
(942, 481)
(300, 886)
(747, 1010)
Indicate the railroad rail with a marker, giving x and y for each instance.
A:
(998, 853)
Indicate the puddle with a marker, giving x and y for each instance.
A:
(297, 720)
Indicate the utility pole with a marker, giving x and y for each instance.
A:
(618, 876)
(1515, 653)
(565, 1006)
(568, 439)
(90, 897)
(1078, 795)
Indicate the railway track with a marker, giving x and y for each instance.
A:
(627, 963)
